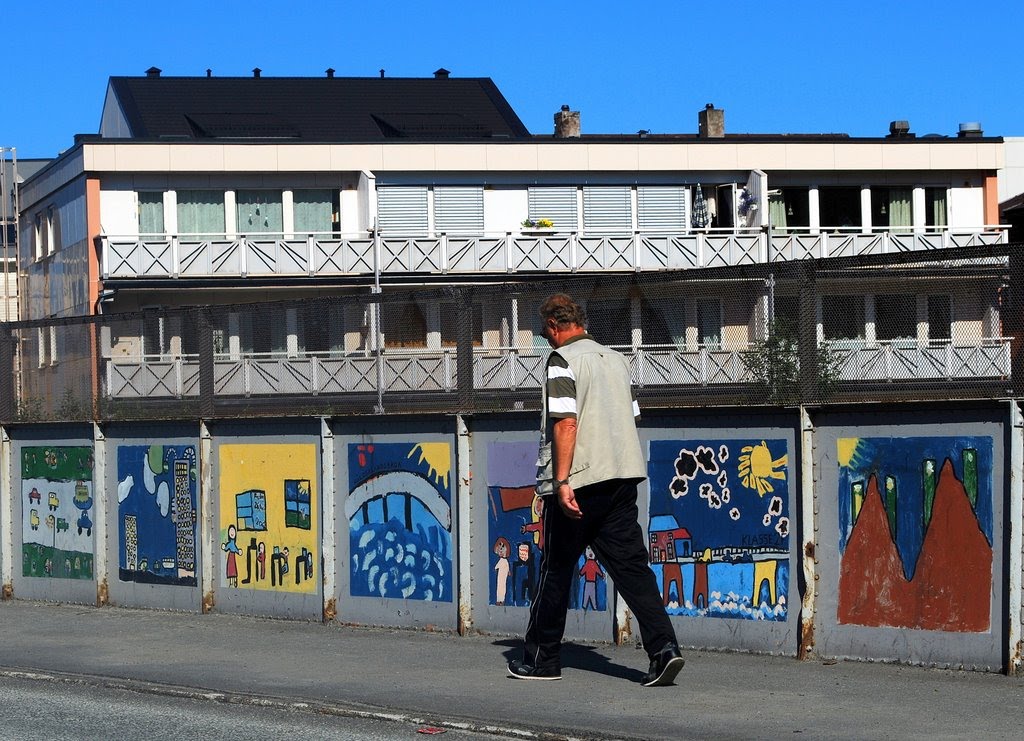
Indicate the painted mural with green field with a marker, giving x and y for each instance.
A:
(57, 509)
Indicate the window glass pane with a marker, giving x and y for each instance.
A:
(201, 213)
(940, 317)
(403, 325)
(313, 210)
(839, 207)
(842, 317)
(655, 320)
(935, 206)
(896, 317)
(151, 212)
(321, 330)
(709, 322)
(450, 325)
(259, 211)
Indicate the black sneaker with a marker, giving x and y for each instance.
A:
(521, 670)
(664, 667)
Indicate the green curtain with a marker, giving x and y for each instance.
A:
(777, 211)
(313, 211)
(259, 211)
(151, 212)
(936, 198)
(201, 212)
(900, 209)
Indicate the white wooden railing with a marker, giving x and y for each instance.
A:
(183, 256)
(507, 368)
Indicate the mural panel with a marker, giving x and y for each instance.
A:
(719, 528)
(516, 534)
(156, 514)
(57, 500)
(915, 532)
(400, 520)
(268, 517)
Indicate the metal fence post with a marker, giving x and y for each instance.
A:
(808, 333)
(8, 402)
(206, 372)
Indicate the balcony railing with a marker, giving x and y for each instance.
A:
(508, 368)
(183, 256)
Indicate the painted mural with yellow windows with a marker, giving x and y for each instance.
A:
(268, 517)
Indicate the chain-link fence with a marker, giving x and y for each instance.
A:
(899, 327)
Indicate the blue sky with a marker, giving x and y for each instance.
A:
(789, 67)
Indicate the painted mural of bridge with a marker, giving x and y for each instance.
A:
(402, 484)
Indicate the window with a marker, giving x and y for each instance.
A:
(450, 324)
(42, 345)
(896, 317)
(557, 203)
(151, 212)
(403, 325)
(459, 210)
(51, 228)
(655, 320)
(262, 331)
(891, 207)
(842, 317)
(259, 212)
(316, 210)
(201, 213)
(610, 320)
(38, 234)
(607, 209)
(940, 317)
(709, 322)
(935, 207)
(402, 210)
(839, 207)
(661, 209)
(789, 208)
(155, 338)
(321, 329)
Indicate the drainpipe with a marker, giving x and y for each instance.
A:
(464, 499)
(99, 526)
(7, 505)
(327, 522)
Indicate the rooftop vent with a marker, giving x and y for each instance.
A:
(330, 71)
(256, 71)
(209, 72)
(382, 72)
(441, 74)
(153, 72)
(899, 129)
(970, 130)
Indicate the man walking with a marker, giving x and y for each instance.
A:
(596, 464)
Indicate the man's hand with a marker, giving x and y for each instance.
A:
(567, 501)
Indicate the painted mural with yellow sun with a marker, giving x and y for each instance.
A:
(719, 529)
(400, 520)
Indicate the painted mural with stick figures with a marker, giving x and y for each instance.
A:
(57, 511)
(516, 534)
(269, 531)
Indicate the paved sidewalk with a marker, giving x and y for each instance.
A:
(444, 679)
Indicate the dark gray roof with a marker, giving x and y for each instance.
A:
(324, 109)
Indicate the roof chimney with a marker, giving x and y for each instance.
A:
(153, 72)
(441, 74)
(256, 71)
(382, 72)
(970, 130)
(899, 130)
(330, 71)
(711, 122)
(567, 124)
(209, 72)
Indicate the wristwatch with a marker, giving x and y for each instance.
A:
(559, 482)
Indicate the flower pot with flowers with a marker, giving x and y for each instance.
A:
(538, 226)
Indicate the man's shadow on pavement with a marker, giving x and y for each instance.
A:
(578, 656)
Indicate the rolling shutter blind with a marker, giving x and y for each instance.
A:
(402, 210)
(459, 210)
(555, 203)
(607, 209)
(661, 209)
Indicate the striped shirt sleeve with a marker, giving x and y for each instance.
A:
(561, 388)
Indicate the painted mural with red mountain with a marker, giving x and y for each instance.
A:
(917, 556)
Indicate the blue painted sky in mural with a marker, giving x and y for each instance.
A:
(730, 512)
(903, 458)
(156, 527)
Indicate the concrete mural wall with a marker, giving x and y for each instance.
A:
(901, 526)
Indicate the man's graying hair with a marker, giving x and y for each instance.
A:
(561, 308)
